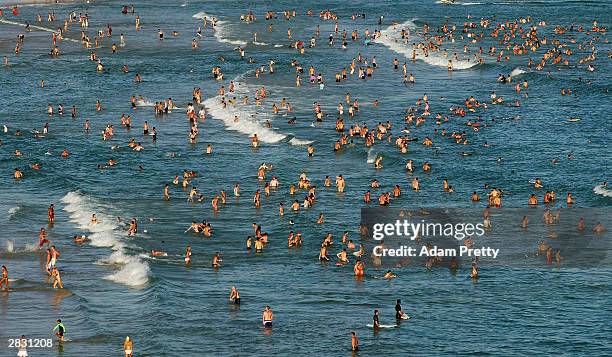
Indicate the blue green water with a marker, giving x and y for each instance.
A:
(113, 288)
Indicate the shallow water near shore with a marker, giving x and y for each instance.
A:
(113, 288)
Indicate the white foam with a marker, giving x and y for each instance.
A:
(277, 45)
(103, 239)
(516, 72)
(219, 29)
(107, 233)
(31, 247)
(247, 123)
(260, 43)
(134, 273)
(371, 156)
(250, 117)
(296, 141)
(117, 257)
(36, 27)
(602, 190)
(13, 210)
(201, 15)
(10, 247)
(144, 103)
(391, 38)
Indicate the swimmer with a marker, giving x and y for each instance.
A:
(234, 296)
(60, 330)
(599, 228)
(51, 213)
(399, 314)
(342, 257)
(267, 317)
(389, 275)
(354, 342)
(188, 255)
(57, 279)
(4, 281)
(42, 238)
(23, 347)
(359, 268)
(79, 239)
(158, 253)
(216, 262)
(128, 347)
(474, 273)
(323, 254)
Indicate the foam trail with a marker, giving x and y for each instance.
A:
(31, 247)
(107, 233)
(371, 156)
(250, 117)
(390, 38)
(10, 247)
(134, 273)
(602, 190)
(219, 29)
(141, 102)
(516, 72)
(13, 210)
(246, 124)
(36, 27)
(297, 142)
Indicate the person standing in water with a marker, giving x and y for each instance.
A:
(354, 341)
(57, 279)
(216, 262)
(234, 296)
(23, 347)
(188, 255)
(474, 274)
(128, 347)
(399, 314)
(4, 280)
(267, 317)
(51, 213)
(166, 192)
(61, 330)
(375, 322)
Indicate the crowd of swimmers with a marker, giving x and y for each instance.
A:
(519, 38)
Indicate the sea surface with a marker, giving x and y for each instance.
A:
(114, 288)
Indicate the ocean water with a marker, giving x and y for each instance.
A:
(113, 288)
